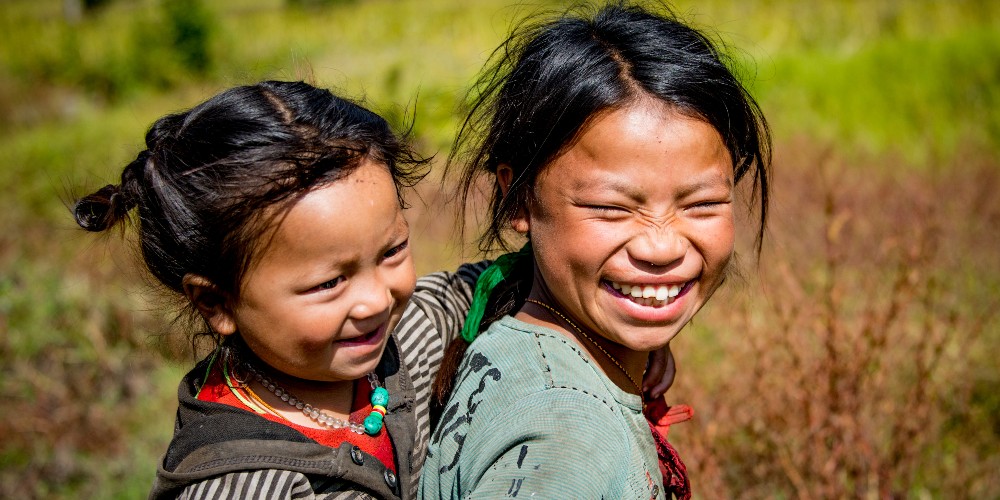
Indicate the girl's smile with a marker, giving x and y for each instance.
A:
(650, 302)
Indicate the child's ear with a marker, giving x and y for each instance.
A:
(211, 302)
(520, 222)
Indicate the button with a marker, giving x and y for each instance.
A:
(390, 479)
(357, 456)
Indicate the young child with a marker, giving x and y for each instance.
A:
(275, 210)
(617, 140)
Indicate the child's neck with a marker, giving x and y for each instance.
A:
(333, 398)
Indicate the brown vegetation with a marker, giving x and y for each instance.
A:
(857, 363)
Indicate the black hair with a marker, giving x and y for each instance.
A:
(209, 176)
(550, 77)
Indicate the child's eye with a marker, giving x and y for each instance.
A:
(396, 249)
(328, 285)
(708, 205)
(604, 208)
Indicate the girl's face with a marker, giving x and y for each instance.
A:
(321, 297)
(632, 226)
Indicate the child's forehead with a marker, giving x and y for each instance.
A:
(640, 135)
(357, 209)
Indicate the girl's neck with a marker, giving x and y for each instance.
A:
(625, 367)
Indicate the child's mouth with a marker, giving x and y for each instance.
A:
(649, 295)
(368, 338)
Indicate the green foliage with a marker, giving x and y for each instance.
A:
(317, 3)
(114, 54)
(923, 98)
(190, 26)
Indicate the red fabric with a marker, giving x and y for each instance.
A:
(660, 418)
(380, 446)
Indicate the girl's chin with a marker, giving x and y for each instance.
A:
(643, 339)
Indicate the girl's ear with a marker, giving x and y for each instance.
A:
(520, 222)
(211, 303)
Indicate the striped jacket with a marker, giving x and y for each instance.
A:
(222, 452)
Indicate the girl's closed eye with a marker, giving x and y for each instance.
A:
(327, 285)
(708, 206)
(397, 250)
(606, 211)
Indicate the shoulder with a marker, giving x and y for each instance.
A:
(443, 286)
(462, 278)
(438, 306)
(518, 371)
(558, 361)
(527, 411)
(536, 444)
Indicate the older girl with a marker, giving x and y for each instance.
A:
(616, 141)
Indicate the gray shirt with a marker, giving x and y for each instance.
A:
(531, 416)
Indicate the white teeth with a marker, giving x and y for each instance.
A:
(648, 294)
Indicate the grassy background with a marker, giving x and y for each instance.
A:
(876, 288)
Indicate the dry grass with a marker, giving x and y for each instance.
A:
(856, 363)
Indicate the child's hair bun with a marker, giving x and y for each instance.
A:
(103, 209)
(100, 211)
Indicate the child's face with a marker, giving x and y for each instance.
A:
(642, 199)
(320, 300)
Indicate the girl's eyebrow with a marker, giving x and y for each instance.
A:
(699, 183)
(708, 182)
(609, 182)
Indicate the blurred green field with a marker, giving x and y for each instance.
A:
(891, 106)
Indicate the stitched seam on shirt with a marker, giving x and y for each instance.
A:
(595, 396)
(545, 362)
(576, 348)
(572, 345)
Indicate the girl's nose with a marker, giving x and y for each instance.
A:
(373, 298)
(660, 246)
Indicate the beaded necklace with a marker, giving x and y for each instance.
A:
(371, 426)
(584, 335)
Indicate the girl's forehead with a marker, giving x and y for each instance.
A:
(359, 208)
(632, 119)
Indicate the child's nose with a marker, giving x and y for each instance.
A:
(373, 299)
(660, 246)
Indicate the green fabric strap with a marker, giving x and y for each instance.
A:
(498, 271)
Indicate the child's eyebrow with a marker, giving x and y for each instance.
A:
(608, 182)
(696, 184)
(708, 182)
